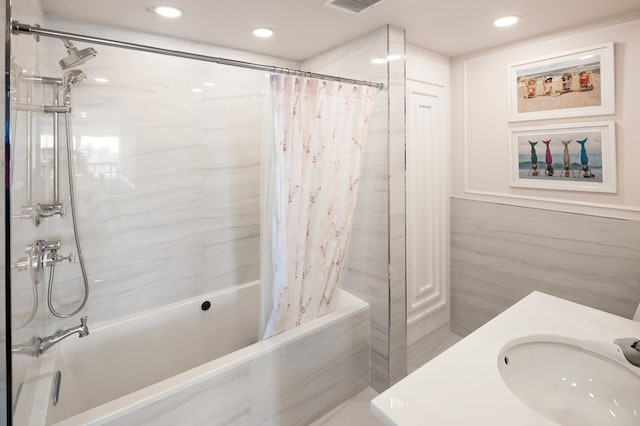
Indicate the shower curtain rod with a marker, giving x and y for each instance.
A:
(19, 28)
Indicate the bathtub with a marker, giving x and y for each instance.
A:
(181, 364)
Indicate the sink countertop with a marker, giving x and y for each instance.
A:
(462, 386)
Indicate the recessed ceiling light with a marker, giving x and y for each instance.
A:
(263, 32)
(378, 61)
(196, 90)
(83, 114)
(394, 57)
(100, 80)
(506, 21)
(167, 11)
(208, 84)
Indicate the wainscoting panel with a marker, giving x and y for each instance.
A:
(427, 221)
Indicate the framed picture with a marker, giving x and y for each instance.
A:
(570, 157)
(568, 84)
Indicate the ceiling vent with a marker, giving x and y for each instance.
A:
(352, 6)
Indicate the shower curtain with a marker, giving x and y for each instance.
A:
(311, 170)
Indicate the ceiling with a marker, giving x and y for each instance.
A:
(304, 28)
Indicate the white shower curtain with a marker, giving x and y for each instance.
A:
(312, 161)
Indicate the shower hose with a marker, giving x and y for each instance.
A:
(74, 220)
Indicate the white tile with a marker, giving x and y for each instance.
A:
(356, 411)
(299, 382)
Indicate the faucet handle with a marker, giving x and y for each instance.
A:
(52, 245)
(630, 349)
(83, 325)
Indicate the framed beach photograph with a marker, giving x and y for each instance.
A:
(570, 157)
(575, 83)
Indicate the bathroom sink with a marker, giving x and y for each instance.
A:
(572, 382)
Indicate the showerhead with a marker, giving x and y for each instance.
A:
(75, 57)
(73, 77)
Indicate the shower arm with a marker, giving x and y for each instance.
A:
(67, 44)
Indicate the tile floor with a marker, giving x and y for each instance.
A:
(353, 412)
(356, 411)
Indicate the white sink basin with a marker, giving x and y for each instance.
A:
(572, 382)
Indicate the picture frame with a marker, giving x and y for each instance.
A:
(579, 157)
(574, 83)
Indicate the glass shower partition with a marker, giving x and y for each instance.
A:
(167, 171)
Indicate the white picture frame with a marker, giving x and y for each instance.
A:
(574, 83)
(599, 149)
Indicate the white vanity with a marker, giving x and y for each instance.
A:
(543, 352)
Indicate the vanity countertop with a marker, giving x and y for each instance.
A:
(462, 386)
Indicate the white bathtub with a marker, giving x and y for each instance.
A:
(180, 364)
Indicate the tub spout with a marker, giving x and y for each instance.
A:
(37, 346)
(56, 337)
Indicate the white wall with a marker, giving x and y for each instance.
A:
(507, 242)
(480, 160)
(423, 65)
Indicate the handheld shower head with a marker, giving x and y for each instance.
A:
(71, 77)
(75, 57)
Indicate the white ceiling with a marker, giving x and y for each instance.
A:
(306, 27)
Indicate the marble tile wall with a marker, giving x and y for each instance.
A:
(292, 385)
(371, 271)
(501, 253)
(168, 179)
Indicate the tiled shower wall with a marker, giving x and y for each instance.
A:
(501, 253)
(168, 182)
(168, 177)
(374, 269)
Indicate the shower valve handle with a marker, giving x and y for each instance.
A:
(22, 264)
(56, 258)
(32, 261)
(71, 258)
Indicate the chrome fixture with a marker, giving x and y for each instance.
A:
(55, 392)
(35, 30)
(42, 211)
(32, 261)
(41, 254)
(74, 219)
(75, 57)
(56, 208)
(630, 349)
(39, 345)
(69, 78)
(36, 261)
